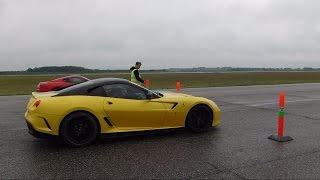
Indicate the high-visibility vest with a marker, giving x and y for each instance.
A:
(133, 77)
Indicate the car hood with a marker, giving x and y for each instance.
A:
(174, 95)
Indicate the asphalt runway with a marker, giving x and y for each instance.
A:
(238, 149)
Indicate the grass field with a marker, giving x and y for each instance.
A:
(17, 85)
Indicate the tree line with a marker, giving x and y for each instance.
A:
(82, 70)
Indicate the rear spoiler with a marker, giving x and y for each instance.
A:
(37, 95)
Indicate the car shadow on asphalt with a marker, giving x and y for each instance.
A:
(124, 138)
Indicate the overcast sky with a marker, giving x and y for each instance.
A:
(114, 34)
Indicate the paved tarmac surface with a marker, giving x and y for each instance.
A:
(237, 149)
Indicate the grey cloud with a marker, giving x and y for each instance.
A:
(162, 34)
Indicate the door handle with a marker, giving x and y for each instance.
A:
(109, 102)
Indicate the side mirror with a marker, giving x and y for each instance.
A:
(150, 95)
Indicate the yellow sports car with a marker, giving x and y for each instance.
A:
(80, 113)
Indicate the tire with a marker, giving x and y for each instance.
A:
(79, 129)
(199, 119)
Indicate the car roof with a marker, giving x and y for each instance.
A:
(68, 76)
(105, 80)
(82, 88)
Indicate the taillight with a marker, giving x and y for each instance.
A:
(37, 103)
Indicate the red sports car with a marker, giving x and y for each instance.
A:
(60, 83)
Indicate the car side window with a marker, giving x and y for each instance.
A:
(124, 91)
(97, 91)
(66, 80)
(76, 80)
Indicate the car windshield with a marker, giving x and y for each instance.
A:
(154, 92)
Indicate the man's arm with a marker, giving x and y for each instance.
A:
(136, 73)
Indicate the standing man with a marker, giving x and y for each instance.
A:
(135, 75)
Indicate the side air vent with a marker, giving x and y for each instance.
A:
(48, 125)
(107, 121)
(175, 104)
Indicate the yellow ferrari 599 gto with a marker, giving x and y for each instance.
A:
(80, 113)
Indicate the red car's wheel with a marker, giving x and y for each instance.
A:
(199, 119)
(79, 129)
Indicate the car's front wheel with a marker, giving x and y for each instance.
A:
(199, 119)
(79, 129)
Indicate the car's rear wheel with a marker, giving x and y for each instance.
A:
(79, 129)
(199, 119)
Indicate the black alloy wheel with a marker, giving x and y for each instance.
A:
(199, 119)
(79, 129)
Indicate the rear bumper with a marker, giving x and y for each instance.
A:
(38, 134)
(43, 123)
